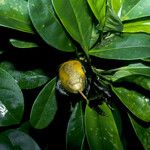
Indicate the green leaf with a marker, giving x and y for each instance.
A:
(7, 66)
(135, 73)
(112, 23)
(5, 143)
(142, 131)
(15, 139)
(45, 107)
(98, 7)
(124, 47)
(25, 127)
(48, 26)
(14, 14)
(135, 9)
(142, 81)
(22, 44)
(146, 59)
(29, 79)
(137, 103)
(25, 79)
(75, 130)
(11, 100)
(76, 18)
(118, 119)
(133, 69)
(101, 130)
(137, 26)
(94, 36)
(116, 6)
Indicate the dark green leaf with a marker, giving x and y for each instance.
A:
(14, 14)
(99, 9)
(143, 133)
(45, 107)
(25, 127)
(75, 131)
(22, 44)
(76, 19)
(25, 79)
(101, 130)
(11, 100)
(118, 119)
(48, 26)
(135, 73)
(124, 47)
(29, 79)
(94, 36)
(16, 139)
(133, 69)
(112, 23)
(7, 66)
(139, 80)
(142, 81)
(137, 103)
(5, 143)
(146, 59)
(137, 26)
(135, 9)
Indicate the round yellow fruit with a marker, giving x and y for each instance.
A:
(72, 76)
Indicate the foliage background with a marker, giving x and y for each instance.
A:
(31, 51)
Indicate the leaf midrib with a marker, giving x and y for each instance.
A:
(79, 26)
(39, 120)
(131, 9)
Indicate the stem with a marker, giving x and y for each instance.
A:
(82, 94)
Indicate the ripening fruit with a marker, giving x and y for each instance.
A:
(72, 76)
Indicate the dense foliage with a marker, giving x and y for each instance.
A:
(112, 40)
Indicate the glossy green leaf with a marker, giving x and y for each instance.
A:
(11, 100)
(15, 139)
(98, 7)
(138, 68)
(116, 6)
(22, 44)
(137, 103)
(29, 79)
(135, 9)
(113, 22)
(14, 14)
(48, 26)
(139, 80)
(124, 47)
(146, 59)
(25, 79)
(133, 69)
(142, 81)
(76, 18)
(75, 130)
(137, 26)
(143, 132)
(135, 73)
(101, 130)
(45, 106)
